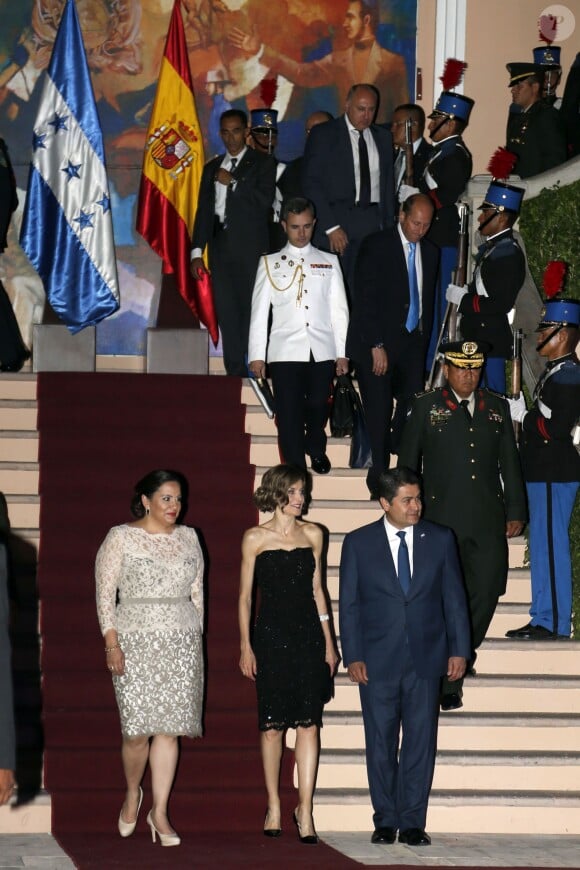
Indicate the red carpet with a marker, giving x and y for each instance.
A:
(99, 433)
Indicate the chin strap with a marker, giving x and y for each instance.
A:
(549, 337)
(495, 212)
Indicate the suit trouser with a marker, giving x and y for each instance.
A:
(551, 507)
(7, 735)
(302, 392)
(403, 378)
(400, 786)
(359, 224)
(233, 275)
(484, 562)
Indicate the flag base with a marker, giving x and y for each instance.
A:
(178, 351)
(54, 349)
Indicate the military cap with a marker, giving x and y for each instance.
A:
(520, 71)
(264, 120)
(559, 312)
(452, 105)
(503, 197)
(465, 354)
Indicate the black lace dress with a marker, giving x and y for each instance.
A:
(289, 644)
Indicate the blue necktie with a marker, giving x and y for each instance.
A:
(403, 565)
(413, 315)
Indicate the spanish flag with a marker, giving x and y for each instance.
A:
(171, 174)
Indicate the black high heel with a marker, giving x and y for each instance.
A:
(271, 832)
(309, 839)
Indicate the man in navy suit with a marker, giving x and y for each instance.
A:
(348, 175)
(389, 330)
(403, 625)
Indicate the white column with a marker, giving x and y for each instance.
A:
(450, 30)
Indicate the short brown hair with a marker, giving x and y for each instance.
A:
(273, 491)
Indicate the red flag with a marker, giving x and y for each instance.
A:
(171, 173)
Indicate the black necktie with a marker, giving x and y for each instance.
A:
(465, 405)
(364, 194)
(403, 565)
(233, 162)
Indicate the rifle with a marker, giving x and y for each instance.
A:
(516, 378)
(449, 326)
(409, 153)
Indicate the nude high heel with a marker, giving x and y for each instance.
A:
(127, 828)
(165, 839)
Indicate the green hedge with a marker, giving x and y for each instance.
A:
(549, 224)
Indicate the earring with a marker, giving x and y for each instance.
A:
(146, 511)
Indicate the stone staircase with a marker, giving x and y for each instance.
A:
(509, 761)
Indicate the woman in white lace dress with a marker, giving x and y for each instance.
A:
(149, 577)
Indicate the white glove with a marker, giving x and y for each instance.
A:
(405, 191)
(455, 293)
(518, 408)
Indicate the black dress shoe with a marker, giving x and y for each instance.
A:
(384, 835)
(307, 839)
(531, 632)
(414, 837)
(320, 464)
(452, 701)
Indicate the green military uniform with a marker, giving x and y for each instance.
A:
(463, 461)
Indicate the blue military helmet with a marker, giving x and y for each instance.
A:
(503, 197)
(560, 312)
(547, 56)
(453, 105)
(264, 120)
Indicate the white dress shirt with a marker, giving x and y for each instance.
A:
(373, 161)
(395, 542)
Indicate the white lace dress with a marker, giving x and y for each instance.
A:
(150, 589)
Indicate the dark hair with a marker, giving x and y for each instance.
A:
(296, 205)
(273, 491)
(149, 485)
(369, 9)
(415, 112)
(390, 481)
(407, 204)
(234, 113)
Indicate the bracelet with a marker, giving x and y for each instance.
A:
(109, 649)
(324, 617)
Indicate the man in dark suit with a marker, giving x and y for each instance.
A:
(403, 624)
(234, 206)
(7, 738)
(388, 332)
(462, 439)
(500, 271)
(348, 175)
(415, 115)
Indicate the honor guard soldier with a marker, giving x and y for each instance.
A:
(499, 274)
(551, 465)
(548, 57)
(461, 439)
(536, 133)
(304, 290)
(445, 178)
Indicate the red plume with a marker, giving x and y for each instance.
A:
(554, 275)
(268, 89)
(502, 162)
(452, 73)
(548, 28)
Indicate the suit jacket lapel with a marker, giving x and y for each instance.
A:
(420, 560)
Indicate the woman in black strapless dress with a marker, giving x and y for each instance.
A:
(291, 656)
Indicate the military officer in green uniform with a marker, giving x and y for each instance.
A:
(460, 438)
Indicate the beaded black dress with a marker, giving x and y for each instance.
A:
(289, 642)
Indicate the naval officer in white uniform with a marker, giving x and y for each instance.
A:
(304, 289)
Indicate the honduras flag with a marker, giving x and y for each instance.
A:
(67, 228)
